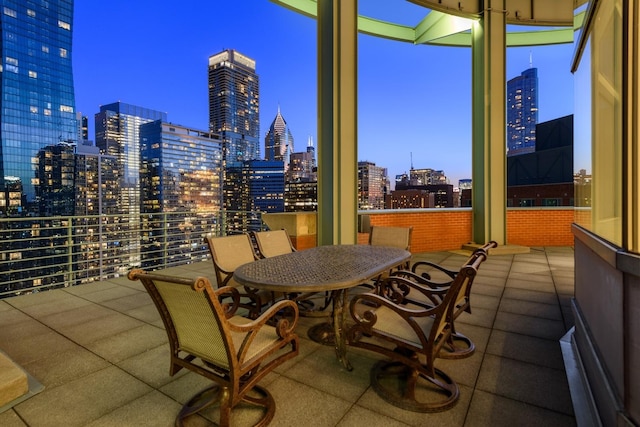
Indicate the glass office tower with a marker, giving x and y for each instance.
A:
(37, 106)
(234, 105)
(522, 112)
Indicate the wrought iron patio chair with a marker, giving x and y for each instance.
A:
(228, 253)
(459, 345)
(210, 339)
(397, 237)
(411, 337)
(277, 242)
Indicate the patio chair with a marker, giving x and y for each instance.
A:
(460, 346)
(411, 337)
(210, 339)
(228, 253)
(397, 237)
(277, 242)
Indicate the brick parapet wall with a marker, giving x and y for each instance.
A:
(540, 227)
(450, 229)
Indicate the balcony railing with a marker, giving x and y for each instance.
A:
(51, 252)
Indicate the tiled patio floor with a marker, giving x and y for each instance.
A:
(101, 352)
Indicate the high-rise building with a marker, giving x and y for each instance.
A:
(250, 187)
(278, 143)
(56, 177)
(522, 112)
(36, 85)
(181, 169)
(427, 176)
(373, 184)
(181, 174)
(117, 133)
(234, 105)
(302, 165)
(97, 249)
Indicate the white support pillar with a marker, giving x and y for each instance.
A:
(337, 122)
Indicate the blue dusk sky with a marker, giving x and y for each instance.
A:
(414, 101)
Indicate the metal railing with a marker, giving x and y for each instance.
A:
(38, 253)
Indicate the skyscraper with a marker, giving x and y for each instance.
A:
(373, 184)
(181, 173)
(234, 105)
(278, 143)
(181, 169)
(117, 128)
(38, 101)
(522, 112)
(250, 187)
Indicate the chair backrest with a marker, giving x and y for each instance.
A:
(193, 317)
(399, 237)
(462, 300)
(273, 242)
(229, 253)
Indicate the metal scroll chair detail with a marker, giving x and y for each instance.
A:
(411, 337)
(277, 242)
(228, 253)
(235, 352)
(460, 346)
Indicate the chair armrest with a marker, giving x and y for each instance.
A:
(226, 292)
(407, 274)
(284, 327)
(450, 273)
(398, 289)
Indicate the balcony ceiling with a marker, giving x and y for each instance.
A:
(448, 22)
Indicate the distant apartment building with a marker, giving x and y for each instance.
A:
(373, 185)
(117, 133)
(181, 169)
(38, 101)
(234, 105)
(522, 112)
(252, 187)
(181, 185)
(301, 181)
(410, 199)
(98, 245)
(302, 166)
(427, 177)
(278, 142)
(408, 196)
(301, 196)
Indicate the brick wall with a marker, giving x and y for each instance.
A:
(441, 229)
(540, 227)
(433, 230)
(444, 229)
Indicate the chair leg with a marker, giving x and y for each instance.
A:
(458, 346)
(200, 401)
(399, 385)
(257, 396)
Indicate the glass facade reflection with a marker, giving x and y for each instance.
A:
(38, 101)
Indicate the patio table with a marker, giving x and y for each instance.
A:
(333, 268)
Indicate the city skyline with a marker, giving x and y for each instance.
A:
(165, 59)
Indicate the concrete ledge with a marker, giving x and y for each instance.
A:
(13, 380)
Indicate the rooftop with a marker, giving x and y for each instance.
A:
(101, 352)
